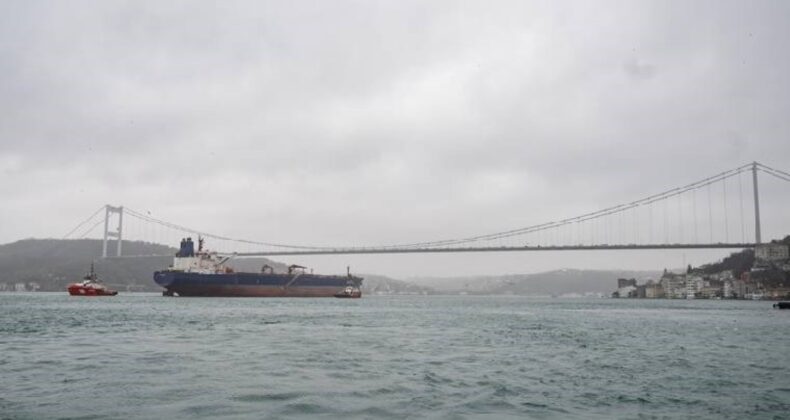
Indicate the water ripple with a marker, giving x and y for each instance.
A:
(145, 356)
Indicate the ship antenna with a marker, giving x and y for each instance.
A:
(92, 275)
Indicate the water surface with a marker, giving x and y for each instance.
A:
(146, 356)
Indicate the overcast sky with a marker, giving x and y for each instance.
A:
(351, 123)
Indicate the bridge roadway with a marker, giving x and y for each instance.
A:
(492, 249)
(447, 250)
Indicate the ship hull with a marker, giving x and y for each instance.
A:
(251, 284)
(79, 290)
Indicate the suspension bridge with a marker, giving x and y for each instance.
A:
(717, 212)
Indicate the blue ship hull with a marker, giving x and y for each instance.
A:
(253, 284)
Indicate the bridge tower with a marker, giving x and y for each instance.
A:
(757, 238)
(118, 233)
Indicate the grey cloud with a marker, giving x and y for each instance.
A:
(638, 69)
(235, 114)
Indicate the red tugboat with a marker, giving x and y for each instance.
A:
(90, 287)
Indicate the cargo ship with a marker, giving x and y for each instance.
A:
(203, 273)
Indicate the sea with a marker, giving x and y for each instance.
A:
(145, 356)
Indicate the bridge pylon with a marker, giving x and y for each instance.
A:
(757, 238)
(117, 233)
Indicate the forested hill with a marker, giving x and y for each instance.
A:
(54, 263)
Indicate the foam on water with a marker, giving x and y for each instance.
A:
(146, 356)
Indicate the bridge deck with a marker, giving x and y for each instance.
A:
(347, 251)
(495, 249)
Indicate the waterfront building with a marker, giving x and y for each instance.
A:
(771, 253)
(653, 290)
(625, 292)
(726, 290)
(738, 289)
(674, 285)
(712, 288)
(710, 292)
(694, 285)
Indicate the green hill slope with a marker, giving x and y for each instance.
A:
(52, 263)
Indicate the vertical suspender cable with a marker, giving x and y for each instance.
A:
(575, 233)
(571, 233)
(740, 198)
(710, 216)
(650, 222)
(622, 229)
(726, 218)
(694, 210)
(666, 221)
(680, 221)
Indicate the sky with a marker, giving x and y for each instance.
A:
(371, 122)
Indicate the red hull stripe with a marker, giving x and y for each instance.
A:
(254, 291)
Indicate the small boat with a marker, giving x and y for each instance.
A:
(349, 292)
(91, 286)
(782, 305)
